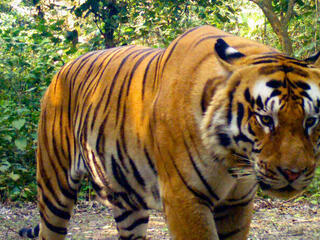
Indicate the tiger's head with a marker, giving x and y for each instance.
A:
(266, 116)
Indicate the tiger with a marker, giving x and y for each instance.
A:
(192, 130)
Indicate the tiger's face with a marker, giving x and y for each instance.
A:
(284, 127)
(269, 121)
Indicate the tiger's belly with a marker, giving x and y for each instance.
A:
(123, 179)
(135, 187)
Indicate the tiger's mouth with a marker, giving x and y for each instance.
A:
(285, 192)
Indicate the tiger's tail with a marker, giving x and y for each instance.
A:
(30, 232)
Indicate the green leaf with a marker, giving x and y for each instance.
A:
(14, 176)
(18, 124)
(4, 166)
(7, 137)
(21, 143)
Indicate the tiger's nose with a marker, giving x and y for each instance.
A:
(290, 174)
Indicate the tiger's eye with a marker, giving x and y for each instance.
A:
(310, 122)
(267, 121)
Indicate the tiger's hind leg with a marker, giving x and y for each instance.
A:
(58, 174)
(55, 212)
(57, 194)
(131, 224)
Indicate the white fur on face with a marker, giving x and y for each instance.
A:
(314, 93)
(261, 89)
(271, 104)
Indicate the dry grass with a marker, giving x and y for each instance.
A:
(273, 220)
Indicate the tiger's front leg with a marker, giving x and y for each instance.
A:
(233, 221)
(187, 218)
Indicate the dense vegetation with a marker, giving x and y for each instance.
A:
(38, 37)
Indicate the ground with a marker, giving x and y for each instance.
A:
(273, 220)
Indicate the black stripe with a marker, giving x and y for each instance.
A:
(117, 74)
(100, 172)
(147, 52)
(306, 95)
(122, 180)
(93, 163)
(175, 45)
(146, 73)
(203, 180)
(259, 102)
(36, 230)
(274, 84)
(58, 230)
(83, 80)
(54, 209)
(65, 192)
(136, 173)
(150, 162)
(70, 192)
(120, 156)
(207, 93)
(240, 114)
(271, 56)
(129, 201)
(211, 37)
(69, 69)
(127, 238)
(224, 139)
(303, 85)
(251, 190)
(137, 223)
(123, 216)
(243, 138)
(220, 209)
(267, 70)
(156, 72)
(247, 95)
(264, 61)
(206, 201)
(301, 64)
(256, 150)
(274, 94)
(119, 99)
(101, 137)
(97, 108)
(229, 234)
(75, 181)
(229, 114)
(251, 130)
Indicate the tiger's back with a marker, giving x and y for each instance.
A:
(137, 121)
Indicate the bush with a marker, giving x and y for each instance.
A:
(30, 57)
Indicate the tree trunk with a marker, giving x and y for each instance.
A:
(279, 25)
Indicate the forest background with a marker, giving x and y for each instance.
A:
(38, 36)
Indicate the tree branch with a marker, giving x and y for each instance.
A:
(279, 25)
(289, 12)
(266, 7)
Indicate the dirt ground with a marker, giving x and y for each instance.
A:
(273, 220)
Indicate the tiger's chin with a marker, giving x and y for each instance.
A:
(285, 193)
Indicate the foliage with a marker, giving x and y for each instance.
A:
(313, 191)
(32, 54)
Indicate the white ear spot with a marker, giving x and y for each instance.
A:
(231, 50)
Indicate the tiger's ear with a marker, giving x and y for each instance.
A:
(314, 59)
(226, 54)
